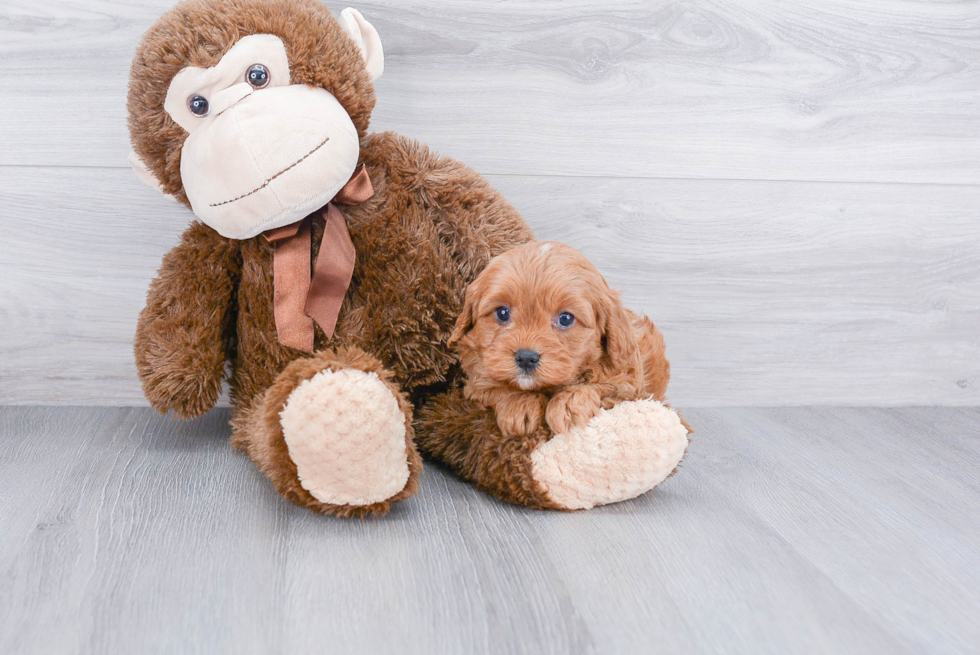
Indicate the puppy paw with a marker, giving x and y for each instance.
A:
(572, 407)
(520, 413)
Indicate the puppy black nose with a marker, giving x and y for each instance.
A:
(527, 360)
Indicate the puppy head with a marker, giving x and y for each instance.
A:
(541, 316)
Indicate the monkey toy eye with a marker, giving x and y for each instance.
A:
(257, 76)
(565, 320)
(198, 105)
(502, 314)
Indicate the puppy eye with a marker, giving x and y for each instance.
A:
(199, 106)
(257, 76)
(502, 314)
(565, 320)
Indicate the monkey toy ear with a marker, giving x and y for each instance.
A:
(366, 38)
(144, 174)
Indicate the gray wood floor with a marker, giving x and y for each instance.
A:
(787, 531)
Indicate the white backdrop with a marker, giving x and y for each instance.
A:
(791, 190)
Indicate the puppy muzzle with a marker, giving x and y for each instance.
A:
(527, 360)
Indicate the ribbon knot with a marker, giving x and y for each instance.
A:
(300, 298)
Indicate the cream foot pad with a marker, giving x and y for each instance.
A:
(346, 435)
(620, 454)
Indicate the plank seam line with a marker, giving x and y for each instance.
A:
(605, 177)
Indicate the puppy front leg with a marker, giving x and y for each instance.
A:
(573, 406)
(518, 412)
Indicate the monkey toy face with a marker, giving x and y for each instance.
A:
(260, 152)
(259, 143)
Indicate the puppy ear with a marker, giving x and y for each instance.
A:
(467, 317)
(622, 352)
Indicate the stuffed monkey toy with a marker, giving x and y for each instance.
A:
(326, 268)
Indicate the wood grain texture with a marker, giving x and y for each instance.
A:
(835, 90)
(768, 292)
(786, 531)
(791, 189)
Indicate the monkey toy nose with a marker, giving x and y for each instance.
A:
(527, 360)
(234, 94)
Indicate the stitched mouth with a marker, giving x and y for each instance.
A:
(269, 181)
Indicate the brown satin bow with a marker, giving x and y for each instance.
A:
(301, 298)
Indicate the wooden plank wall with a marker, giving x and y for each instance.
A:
(790, 189)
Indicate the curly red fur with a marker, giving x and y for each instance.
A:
(607, 355)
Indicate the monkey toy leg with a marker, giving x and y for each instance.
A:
(333, 433)
(622, 453)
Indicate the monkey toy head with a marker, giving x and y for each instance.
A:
(250, 112)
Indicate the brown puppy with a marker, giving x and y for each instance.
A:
(542, 335)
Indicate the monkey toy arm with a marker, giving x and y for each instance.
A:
(185, 332)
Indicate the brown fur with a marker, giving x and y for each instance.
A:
(464, 435)
(606, 356)
(431, 226)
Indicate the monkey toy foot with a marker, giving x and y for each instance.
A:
(334, 434)
(621, 453)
